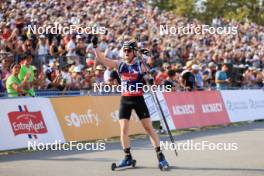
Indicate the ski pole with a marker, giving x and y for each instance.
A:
(159, 106)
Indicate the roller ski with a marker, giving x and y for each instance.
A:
(124, 163)
(163, 164)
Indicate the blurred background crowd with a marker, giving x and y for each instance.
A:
(65, 62)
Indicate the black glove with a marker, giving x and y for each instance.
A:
(94, 40)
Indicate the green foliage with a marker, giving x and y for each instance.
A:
(229, 9)
(165, 4)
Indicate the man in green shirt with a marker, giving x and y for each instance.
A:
(27, 68)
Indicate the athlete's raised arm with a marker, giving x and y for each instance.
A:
(105, 61)
(100, 57)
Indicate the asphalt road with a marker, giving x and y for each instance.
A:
(247, 160)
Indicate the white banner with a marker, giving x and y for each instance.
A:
(28, 120)
(154, 110)
(244, 105)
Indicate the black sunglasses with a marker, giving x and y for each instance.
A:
(127, 50)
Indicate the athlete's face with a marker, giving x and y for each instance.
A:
(128, 55)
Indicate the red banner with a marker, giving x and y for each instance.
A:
(196, 109)
(27, 122)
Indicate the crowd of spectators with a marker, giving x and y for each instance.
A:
(67, 62)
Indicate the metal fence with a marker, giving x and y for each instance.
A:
(56, 93)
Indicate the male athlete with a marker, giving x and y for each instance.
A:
(131, 72)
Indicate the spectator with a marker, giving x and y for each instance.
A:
(198, 77)
(221, 78)
(6, 62)
(188, 78)
(77, 78)
(99, 74)
(14, 86)
(170, 82)
(71, 48)
(42, 51)
(123, 19)
(1, 83)
(107, 74)
(27, 68)
(66, 76)
(211, 74)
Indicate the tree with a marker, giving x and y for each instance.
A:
(228, 9)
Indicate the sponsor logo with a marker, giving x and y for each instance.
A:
(212, 108)
(115, 116)
(244, 105)
(183, 109)
(25, 122)
(77, 120)
(236, 105)
(255, 104)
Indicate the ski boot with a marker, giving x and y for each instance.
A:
(163, 164)
(128, 161)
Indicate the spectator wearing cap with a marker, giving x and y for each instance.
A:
(99, 74)
(77, 78)
(211, 74)
(42, 51)
(198, 77)
(88, 78)
(27, 68)
(14, 86)
(249, 78)
(187, 77)
(221, 78)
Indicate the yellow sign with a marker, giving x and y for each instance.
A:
(88, 118)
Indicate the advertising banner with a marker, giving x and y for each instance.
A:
(244, 105)
(196, 109)
(27, 120)
(87, 118)
(154, 109)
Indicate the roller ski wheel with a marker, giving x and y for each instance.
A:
(164, 165)
(123, 163)
(113, 166)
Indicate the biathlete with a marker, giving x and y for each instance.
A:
(131, 72)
